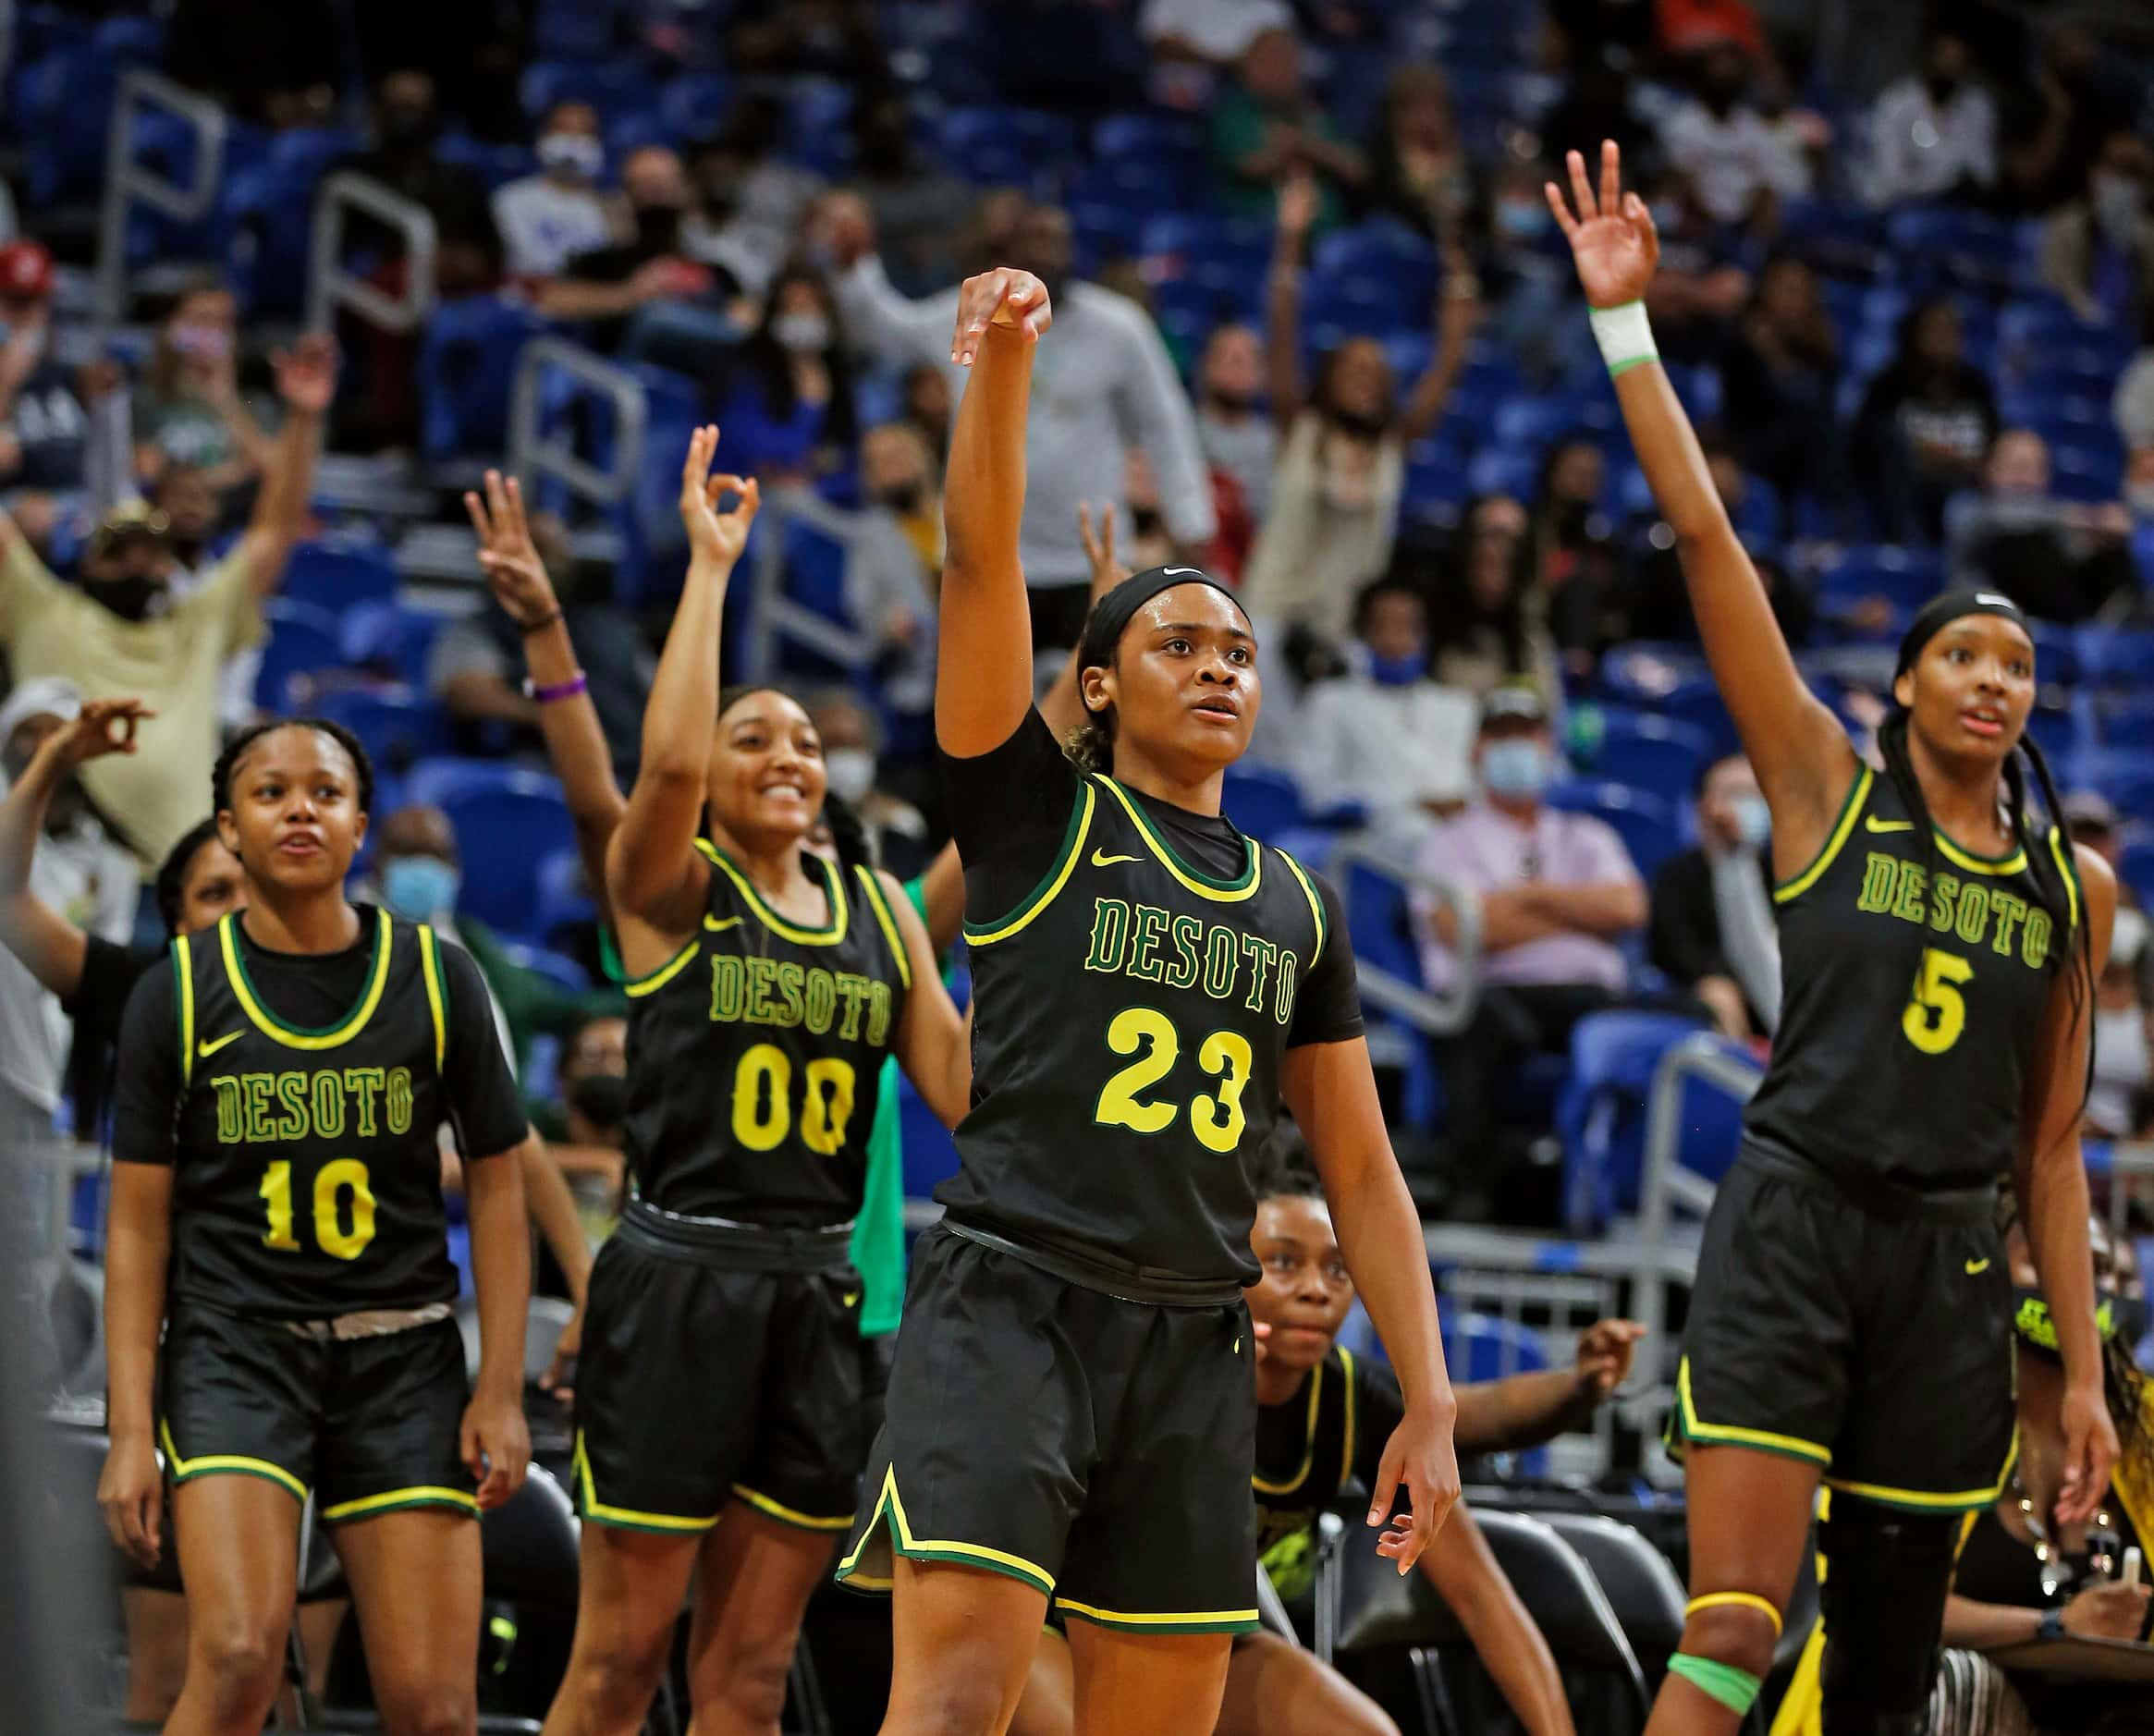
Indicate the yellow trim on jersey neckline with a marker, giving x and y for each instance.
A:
(663, 974)
(1203, 886)
(1972, 864)
(1051, 883)
(888, 1505)
(626, 1518)
(234, 1464)
(829, 935)
(786, 1515)
(430, 963)
(888, 924)
(1309, 1446)
(1851, 808)
(183, 972)
(333, 1036)
(394, 1500)
(1716, 1435)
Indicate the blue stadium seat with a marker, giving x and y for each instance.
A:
(269, 207)
(564, 895)
(613, 86)
(496, 165)
(467, 367)
(2125, 776)
(508, 822)
(1380, 924)
(577, 30)
(1146, 137)
(1649, 752)
(302, 640)
(390, 640)
(2114, 657)
(1645, 819)
(1907, 577)
(1262, 800)
(338, 577)
(562, 972)
(2136, 870)
(2124, 723)
(398, 725)
(693, 104)
(1601, 1114)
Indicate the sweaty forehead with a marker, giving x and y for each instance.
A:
(1198, 604)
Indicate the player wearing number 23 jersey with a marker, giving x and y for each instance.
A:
(299, 1100)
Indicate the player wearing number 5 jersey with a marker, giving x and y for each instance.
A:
(276, 1199)
(1851, 1318)
(718, 1397)
(1071, 1416)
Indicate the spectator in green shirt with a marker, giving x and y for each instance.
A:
(1269, 127)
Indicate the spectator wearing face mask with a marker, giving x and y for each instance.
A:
(1385, 734)
(585, 1123)
(42, 425)
(1740, 162)
(547, 218)
(1711, 929)
(1933, 134)
(1232, 423)
(787, 403)
(605, 285)
(1556, 892)
(2098, 250)
(2058, 559)
(852, 741)
(893, 569)
(187, 408)
(79, 871)
(126, 629)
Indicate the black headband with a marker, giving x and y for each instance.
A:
(1113, 613)
(1940, 612)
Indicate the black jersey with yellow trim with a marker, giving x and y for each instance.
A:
(755, 1053)
(1131, 1016)
(308, 1162)
(1309, 1450)
(1911, 1008)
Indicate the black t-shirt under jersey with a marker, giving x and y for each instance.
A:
(303, 1121)
(1139, 973)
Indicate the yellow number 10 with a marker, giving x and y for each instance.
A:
(330, 1235)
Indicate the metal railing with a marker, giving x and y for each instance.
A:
(775, 615)
(331, 286)
(533, 452)
(129, 183)
(2130, 1162)
(1438, 1015)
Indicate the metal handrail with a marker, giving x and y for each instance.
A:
(776, 614)
(533, 453)
(127, 182)
(2128, 1160)
(1439, 1015)
(330, 285)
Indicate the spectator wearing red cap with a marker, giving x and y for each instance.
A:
(42, 420)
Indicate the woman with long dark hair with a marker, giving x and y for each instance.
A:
(1940, 938)
(786, 405)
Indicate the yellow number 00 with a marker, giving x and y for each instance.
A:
(1216, 1120)
(330, 1235)
(762, 1125)
(1938, 1011)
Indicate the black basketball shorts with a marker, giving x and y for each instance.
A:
(369, 1424)
(1096, 1448)
(700, 1383)
(1869, 1334)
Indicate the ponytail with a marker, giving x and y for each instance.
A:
(849, 835)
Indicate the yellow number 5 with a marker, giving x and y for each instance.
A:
(1938, 1013)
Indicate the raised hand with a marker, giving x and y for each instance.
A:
(105, 725)
(1107, 570)
(306, 373)
(1001, 297)
(1612, 239)
(508, 555)
(1298, 201)
(714, 538)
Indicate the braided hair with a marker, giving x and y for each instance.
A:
(236, 749)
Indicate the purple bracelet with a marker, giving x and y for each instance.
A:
(561, 689)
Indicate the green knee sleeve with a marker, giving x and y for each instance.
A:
(1735, 1689)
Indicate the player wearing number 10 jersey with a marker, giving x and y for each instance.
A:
(721, 1369)
(277, 1198)
(1072, 1412)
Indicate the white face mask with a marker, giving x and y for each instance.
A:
(851, 773)
(801, 332)
(2118, 201)
(575, 155)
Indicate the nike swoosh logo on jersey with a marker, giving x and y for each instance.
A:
(1977, 1268)
(719, 924)
(1100, 858)
(208, 1048)
(1872, 823)
(851, 1296)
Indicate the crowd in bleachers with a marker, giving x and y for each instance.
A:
(1315, 328)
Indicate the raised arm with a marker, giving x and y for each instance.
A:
(1803, 757)
(1332, 1090)
(51, 947)
(1457, 313)
(1282, 298)
(653, 876)
(575, 741)
(306, 380)
(2049, 1178)
(983, 684)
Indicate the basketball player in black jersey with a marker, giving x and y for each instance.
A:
(277, 1203)
(718, 1398)
(1072, 1413)
(1939, 942)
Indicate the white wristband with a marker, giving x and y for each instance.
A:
(1624, 335)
